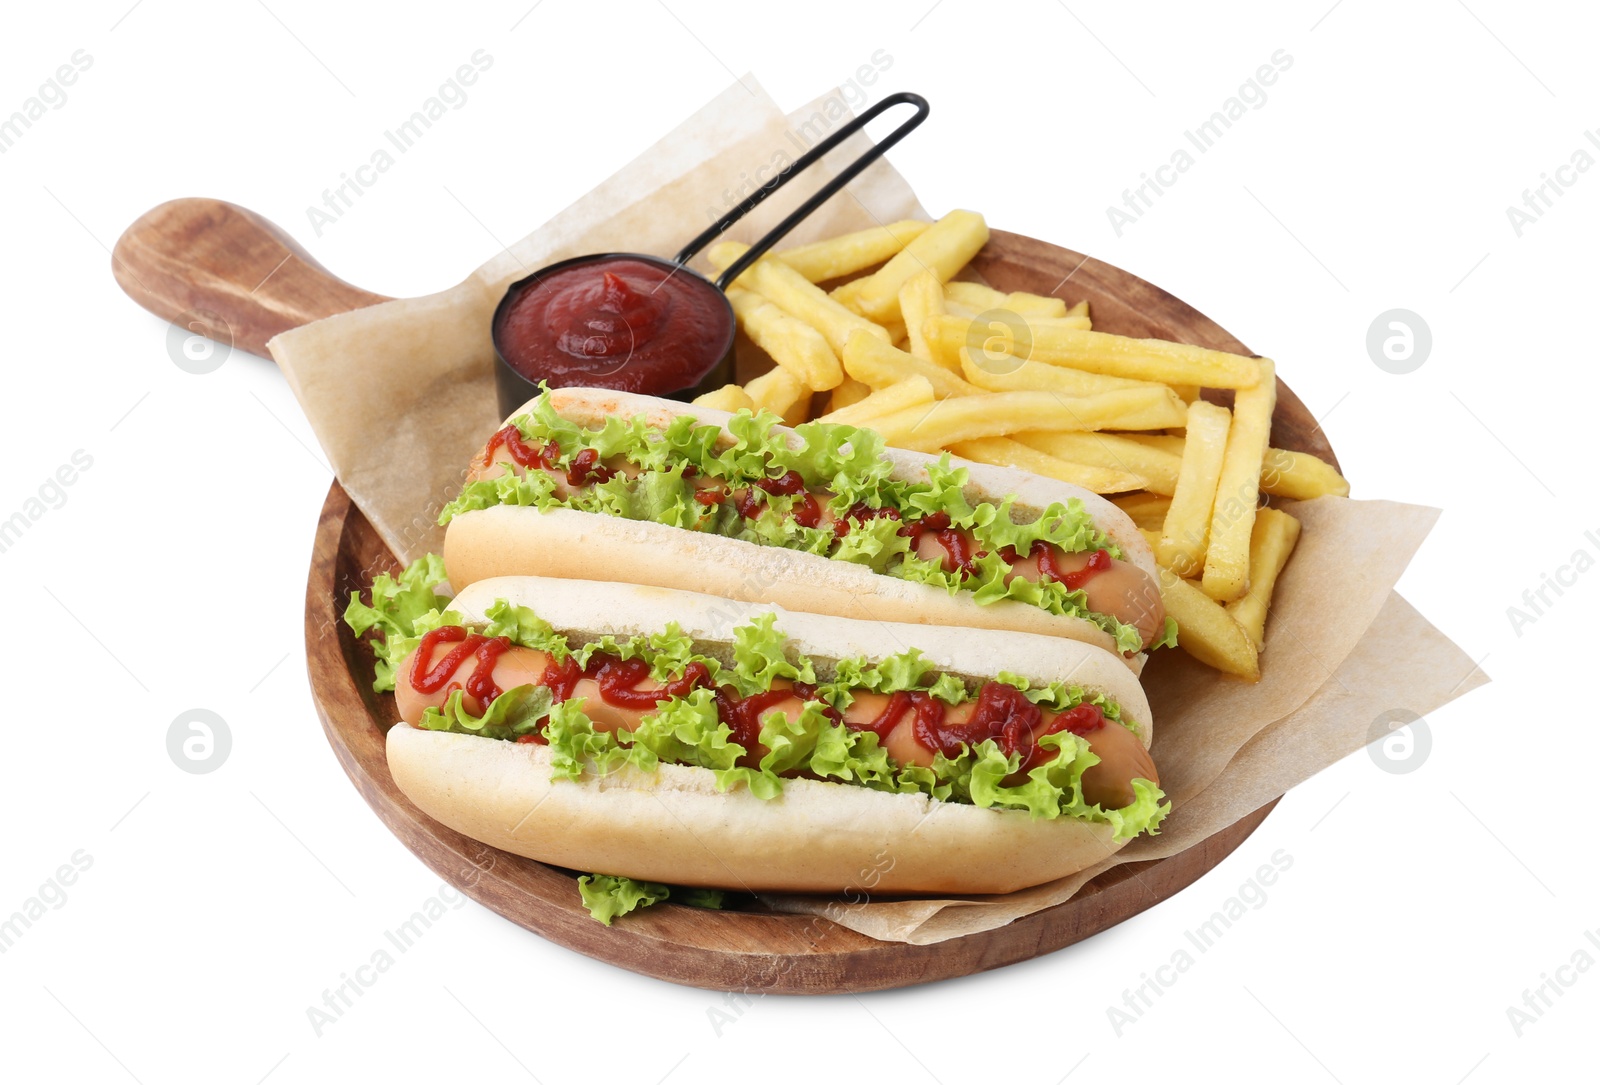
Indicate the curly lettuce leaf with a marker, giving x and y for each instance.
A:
(844, 460)
(875, 542)
(659, 496)
(988, 584)
(608, 896)
(687, 731)
(576, 747)
(904, 670)
(668, 652)
(696, 896)
(514, 713)
(524, 627)
(403, 609)
(760, 657)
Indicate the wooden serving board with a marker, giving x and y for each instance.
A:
(197, 254)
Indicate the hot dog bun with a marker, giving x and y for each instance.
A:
(672, 825)
(514, 540)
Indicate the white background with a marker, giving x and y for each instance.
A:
(218, 907)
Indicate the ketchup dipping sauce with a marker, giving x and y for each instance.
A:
(626, 321)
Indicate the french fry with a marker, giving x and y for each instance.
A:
(1028, 313)
(920, 298)
(722, 255)
(911, 392)
(1003, 372)
(1157, 467)
(1119, 356)
(1118, 409)
(1271, 542)
(730, 398)
(1143, 359)
(782, 393)
(1164, 442)
(836, 257)
(874, 362)
(1187, 530)
(989, 357)
(1227, 574)
(1080, 309)
(848, 294)
(849, 392)
(975, 296)
(979, 297)
(1207, 631)
(1068, 323)
(1000, 414)
(1036, 306)
(897, 332)
(1145, 405)
(793, 344)
(788, 290)
(1187, 392)
(944, 248)
(1004, 452)
(1300, 476)
(1147, 511)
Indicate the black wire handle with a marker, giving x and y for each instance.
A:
(822, 195)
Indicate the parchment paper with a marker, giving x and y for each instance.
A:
(1342, 648)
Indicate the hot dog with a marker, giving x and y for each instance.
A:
(682, 738)
(595, 484)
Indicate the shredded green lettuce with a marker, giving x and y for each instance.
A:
(403, 609)
(760, 657)
(514, 713)
(608, 896)
(686, 731)
(845, 461)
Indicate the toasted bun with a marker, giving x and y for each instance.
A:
(507, 540)
(672, 825)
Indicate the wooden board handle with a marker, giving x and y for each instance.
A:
(199, 254)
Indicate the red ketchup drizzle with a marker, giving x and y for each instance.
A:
(511, 438)
(806, 512)
(958, 549)
(480, 683)
(561, 678)
(1082, 720)
(743, 717)
(862, 512)
(747, 503)
(808, 692)
(1001, 712)
(617, 677)
(887, 720)
(789, 483)
(586, 469)
(1099, 562)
